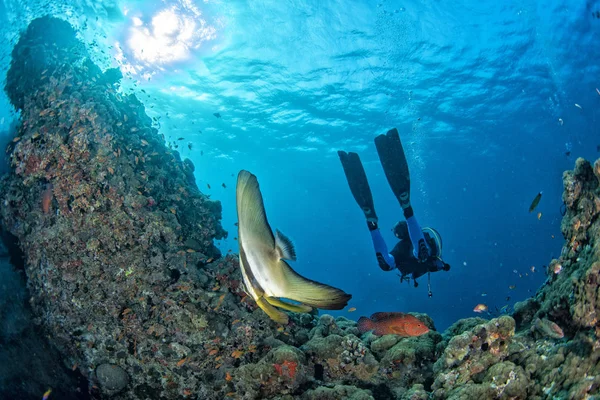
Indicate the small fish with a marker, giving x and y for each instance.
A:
(224, 186)
(547, 328)
(567, 153)
(218, 115)
(598, 91)
(237, 353)
(483, 294)
(479, 308)
(396, 323)
(598, 147)
(352, 309)
(578, 106)
(557, 268)
(512, 287)
(181, 362)
(532, 268)
(208, 185)
(47, 197)
(190, 145)
(561, 122)
(535, 202)
(507, 298)
(539, 216)
(180, 138)
(47, 394)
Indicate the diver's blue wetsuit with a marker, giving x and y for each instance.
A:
(408, 265)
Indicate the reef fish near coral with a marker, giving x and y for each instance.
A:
(396, 323)
(267, 276)
(547, 328)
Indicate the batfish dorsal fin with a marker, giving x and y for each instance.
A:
(252, 219)
(379, 316)
(285, 247)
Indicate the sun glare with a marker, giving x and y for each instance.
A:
(170, 36)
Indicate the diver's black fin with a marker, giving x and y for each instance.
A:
(359, 185)
(394, 165)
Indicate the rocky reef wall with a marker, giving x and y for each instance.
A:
(125, 280)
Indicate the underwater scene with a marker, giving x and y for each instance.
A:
(276, 199)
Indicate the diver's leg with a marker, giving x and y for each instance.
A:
(420, 249)
(384, 258)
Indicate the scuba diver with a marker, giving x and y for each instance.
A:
(419, 251)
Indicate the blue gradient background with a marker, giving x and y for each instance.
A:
(476, 89)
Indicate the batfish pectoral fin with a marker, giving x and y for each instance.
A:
(273, 313)
(284, 246)
(309, 292)
(300, 308)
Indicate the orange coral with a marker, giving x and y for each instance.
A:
(286, 368)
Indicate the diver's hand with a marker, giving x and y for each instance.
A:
(446, 267)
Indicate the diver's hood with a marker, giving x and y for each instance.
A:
(435, 239)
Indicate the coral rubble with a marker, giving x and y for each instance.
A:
(125, 280)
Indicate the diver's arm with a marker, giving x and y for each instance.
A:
(384, 258)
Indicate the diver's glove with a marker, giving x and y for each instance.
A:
(446, 267)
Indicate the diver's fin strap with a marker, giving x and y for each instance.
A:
(359, 185)
(395, 166)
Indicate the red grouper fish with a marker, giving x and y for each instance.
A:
(392, 323)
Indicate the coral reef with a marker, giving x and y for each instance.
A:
(126, 282)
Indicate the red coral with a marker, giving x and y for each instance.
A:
(286, 368)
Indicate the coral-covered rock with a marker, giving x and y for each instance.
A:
(338, 392)
(111, 378)
(524, 312)
(471, 353)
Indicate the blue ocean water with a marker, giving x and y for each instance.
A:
(493, 101)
